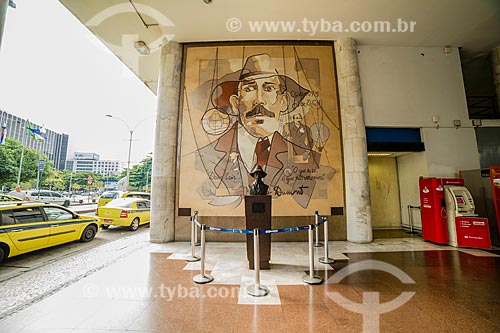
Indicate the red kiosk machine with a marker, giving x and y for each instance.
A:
(448, 214)
(433, 208)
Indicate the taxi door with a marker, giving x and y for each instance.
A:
(142, 211)
(63, 226)
(30, 231)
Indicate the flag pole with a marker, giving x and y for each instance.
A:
(38, 174)
(22, 154)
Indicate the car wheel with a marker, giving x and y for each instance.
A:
(66, 203)
(104, 226)
(2, 254)
(135, 224)
(88, 233)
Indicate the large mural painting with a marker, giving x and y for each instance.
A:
(274, 106)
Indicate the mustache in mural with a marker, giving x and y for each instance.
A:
(257, 111)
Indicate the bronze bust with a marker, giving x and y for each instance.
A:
(258, 187)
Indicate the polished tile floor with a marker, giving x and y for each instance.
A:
(390, 285)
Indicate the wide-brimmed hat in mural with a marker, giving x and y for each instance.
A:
(256, 66)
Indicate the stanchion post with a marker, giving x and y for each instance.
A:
(326, 259)
(196, 241)
(317, 243)
(311, 278)
(192, 257)
(410, 220)
(257, 290)
(202, 277)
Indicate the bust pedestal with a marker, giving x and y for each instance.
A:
(258, 215)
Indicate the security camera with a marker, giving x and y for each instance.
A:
(208, 2)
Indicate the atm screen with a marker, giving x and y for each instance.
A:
(460, 200)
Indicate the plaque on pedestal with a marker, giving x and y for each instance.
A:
(258, 215)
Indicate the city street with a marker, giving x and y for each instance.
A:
(18, 265)
(28, 278)
(24, 263)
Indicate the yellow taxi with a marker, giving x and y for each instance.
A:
(126, 212)
(110, 195)
(5, 197)
(30, 226)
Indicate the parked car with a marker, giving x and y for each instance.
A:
(110, 195)
(30, 226)
(48, 197)
(127, 212)
(107, 197)
(7, 198)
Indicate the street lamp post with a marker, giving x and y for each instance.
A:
(131, 134)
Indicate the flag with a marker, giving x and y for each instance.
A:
(38, 134)
(3, 134)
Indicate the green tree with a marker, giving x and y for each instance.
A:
(140, 175)
(10, 154)
(53, 179)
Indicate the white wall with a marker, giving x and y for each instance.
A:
(402, 87)
(405, 87)
(449, 150)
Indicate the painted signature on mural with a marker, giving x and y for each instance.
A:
(279, 192)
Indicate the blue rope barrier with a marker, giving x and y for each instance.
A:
(265, 232)
(275, 231)
(236, 231)
(323, 220)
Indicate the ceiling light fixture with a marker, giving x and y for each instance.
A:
(379, 154)
(142, 48)
(477, 122)
(435, 120)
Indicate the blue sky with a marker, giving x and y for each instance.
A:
(56, 73)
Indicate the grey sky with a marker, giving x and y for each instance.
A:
(56, 73)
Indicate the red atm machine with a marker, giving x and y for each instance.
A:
(433, 208)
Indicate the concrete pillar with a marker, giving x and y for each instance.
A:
(495, 60)
(165, 151)
(357, 183)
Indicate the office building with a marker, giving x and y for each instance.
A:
(90, 162)
(55, 147)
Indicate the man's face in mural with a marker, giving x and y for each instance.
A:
(297, 119)
(259, 102)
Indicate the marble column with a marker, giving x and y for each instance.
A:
(163, 180)
(495, 61)
(357, 184)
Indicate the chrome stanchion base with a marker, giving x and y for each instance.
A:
(318, 244)
(324, 260)
(259, 291)
(193, 258)
(203, 278)
(312, 280)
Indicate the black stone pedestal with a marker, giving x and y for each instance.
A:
(258, 215)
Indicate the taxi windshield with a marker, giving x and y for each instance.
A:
(109, 195)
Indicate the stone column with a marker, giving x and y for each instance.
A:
(357, 183)
(163, 180)
(495, 61)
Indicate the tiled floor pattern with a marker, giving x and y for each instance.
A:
(152, 291)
